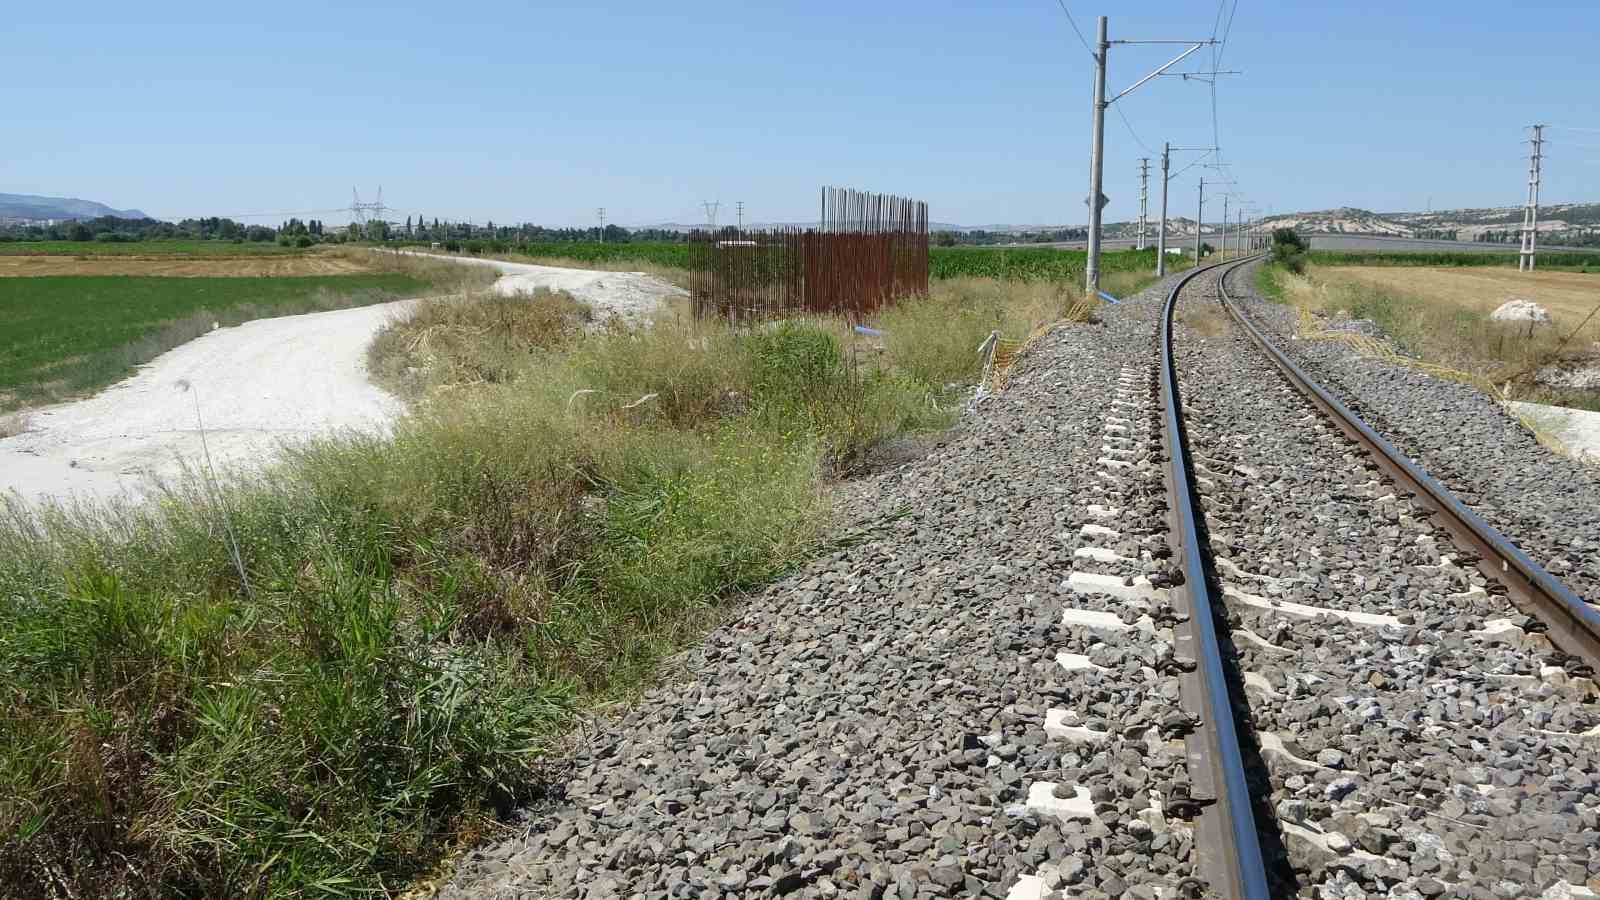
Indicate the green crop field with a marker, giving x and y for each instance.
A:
(143, 248)
(64, 335)
(661, 253)
(1027, 264)
(1030, 264)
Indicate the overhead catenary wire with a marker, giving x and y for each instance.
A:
(1074, 24)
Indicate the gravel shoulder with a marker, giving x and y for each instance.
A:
(941, 707)
(1548, 504)
(258, 385)
(1420, 740)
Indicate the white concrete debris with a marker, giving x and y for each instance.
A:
(1042, 799)
(1518, 310)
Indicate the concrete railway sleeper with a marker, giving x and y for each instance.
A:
(1390, 698)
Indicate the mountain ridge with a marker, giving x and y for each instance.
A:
(35, 206)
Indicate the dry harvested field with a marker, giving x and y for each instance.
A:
(1570, 296)
(169, 265)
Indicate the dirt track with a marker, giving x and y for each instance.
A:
(258, 385)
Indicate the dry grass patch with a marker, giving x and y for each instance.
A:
(1570, 296)
(1206, 318)
(322, 262)
(483, 338)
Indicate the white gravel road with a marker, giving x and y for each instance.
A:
(259, 385)
(632, 295)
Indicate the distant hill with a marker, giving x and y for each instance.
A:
(29, 206)
(1467, 224)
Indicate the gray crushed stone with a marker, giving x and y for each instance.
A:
(1434, 759)
(1547, 504)
(870, 726)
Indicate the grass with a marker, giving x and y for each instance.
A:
(67, 335)
(670, 260)
(1032, 264)
(428, 614)
(146, 248)
(1442, 316)
(1269, 282)
(1465, 258)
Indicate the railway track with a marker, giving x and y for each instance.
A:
(1388, 697)
(1100, 645)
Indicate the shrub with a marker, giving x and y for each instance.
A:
(1288, 237)
(794, 362)
(1289, 250)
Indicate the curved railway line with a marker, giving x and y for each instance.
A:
(1397, 798)
(1146, 625)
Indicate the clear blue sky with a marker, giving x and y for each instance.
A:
(517, 111)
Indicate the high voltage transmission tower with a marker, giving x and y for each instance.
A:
(1144, 197)
(362, 212)
(711, 212)
(1530, 212)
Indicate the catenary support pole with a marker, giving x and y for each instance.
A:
(1096, 161)
(1161, 235)
(1224, 226)
(1199, 221)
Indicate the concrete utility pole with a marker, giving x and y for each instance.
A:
(1096, 151)
(1224, 226)
(1530, 212)
(1097, 145)
(1166, 178)
(741, 216)
(1199, 221)
(600, 213)
(1161, 236)
(1144, 197)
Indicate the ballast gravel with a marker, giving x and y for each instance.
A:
(874, 725)
(1548, 504)
(1423, 737)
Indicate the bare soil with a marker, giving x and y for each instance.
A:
(187, 266)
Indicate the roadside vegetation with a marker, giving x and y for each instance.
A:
(668, 258)
(1441, 314)
(1566, 259)
(62, 336)
(145, 248)
(321, 680)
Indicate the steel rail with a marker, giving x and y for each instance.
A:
(1227, 842)
(1574, 624)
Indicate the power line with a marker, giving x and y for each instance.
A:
(1226, 30)
(1074, 24)
(1131, 133)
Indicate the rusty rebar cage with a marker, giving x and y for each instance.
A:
(869, 250)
